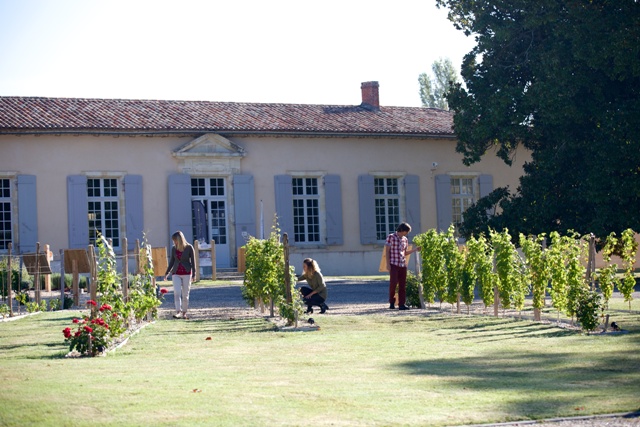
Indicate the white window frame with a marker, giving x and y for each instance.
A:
(460, 201)
(208, 197)
(401, 202)
(13, 214)
(319, 197)
(119, 199)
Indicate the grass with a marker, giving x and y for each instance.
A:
(354, 370)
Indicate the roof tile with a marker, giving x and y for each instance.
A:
(34, 114)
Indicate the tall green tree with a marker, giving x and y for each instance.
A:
(561, 79)
(433, 89)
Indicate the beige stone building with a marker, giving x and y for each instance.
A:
(339, 178)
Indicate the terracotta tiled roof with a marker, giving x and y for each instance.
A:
(74, 115)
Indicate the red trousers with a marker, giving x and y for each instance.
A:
(398, 277)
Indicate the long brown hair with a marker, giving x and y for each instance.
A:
(312, 265)
(179, 240)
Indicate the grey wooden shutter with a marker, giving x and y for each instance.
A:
(486, 184)
(284, 204)
(443, 202)
(134, 214)
(333, 207)
(245, 207)
(412, 202)
(27, 213)
(180, 205)
(367, 206)
(77, 215)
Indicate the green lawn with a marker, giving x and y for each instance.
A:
(353, 371)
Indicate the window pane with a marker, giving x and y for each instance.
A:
(306, 211)
(387, 204)
(462, 197)
(103, 209)
(197, 187)
(5, 214)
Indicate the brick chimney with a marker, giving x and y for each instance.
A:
(370, 97)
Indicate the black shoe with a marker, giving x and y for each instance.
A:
(323, 308)
(403, 307)
(309, 310)
(392, 307)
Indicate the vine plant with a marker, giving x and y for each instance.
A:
(628, 254)
(264, 277)
(538, 270)
(511, 287)
(434, 277)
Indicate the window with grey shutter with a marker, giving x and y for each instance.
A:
(245, 208)
(333, 206)
(27, 213)
(133, 209)
(485, 183)
(180, 205)
(443, 201)
(367, 209)
(284, 204)
(412, 202)
(77, 211)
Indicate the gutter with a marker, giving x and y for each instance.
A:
(195, 132)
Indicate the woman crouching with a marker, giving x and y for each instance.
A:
(316, 292)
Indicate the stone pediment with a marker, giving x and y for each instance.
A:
(210, 145)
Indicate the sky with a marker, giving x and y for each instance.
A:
(278, 51)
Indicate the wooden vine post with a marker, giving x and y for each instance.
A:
(591, 264)
(136, 254)
(62, 283)
(76, 261)
(9, 292)
(125, 271)
(213, 261)
(93, 283)
(419, 277)
(36, 277)
(196, 255)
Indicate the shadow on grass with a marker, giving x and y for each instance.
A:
(551, 383)
(198, 326)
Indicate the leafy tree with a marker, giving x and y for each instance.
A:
(561, 79)
(433, 90)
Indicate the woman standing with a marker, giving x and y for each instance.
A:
(182, 266)
(316, 292)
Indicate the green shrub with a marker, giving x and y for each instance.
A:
(68, 281)
(16, 284)
(54, 304)
(413, 291)
(588, 307)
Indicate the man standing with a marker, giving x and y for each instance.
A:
(396, 248)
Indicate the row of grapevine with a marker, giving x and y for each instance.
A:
(501, 271)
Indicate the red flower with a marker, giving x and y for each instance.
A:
(114, 315)
(77, 334)
(92, 302)
(76, 320)
(163, 291)
(67, 332)
(88, 329)
(105, 307)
